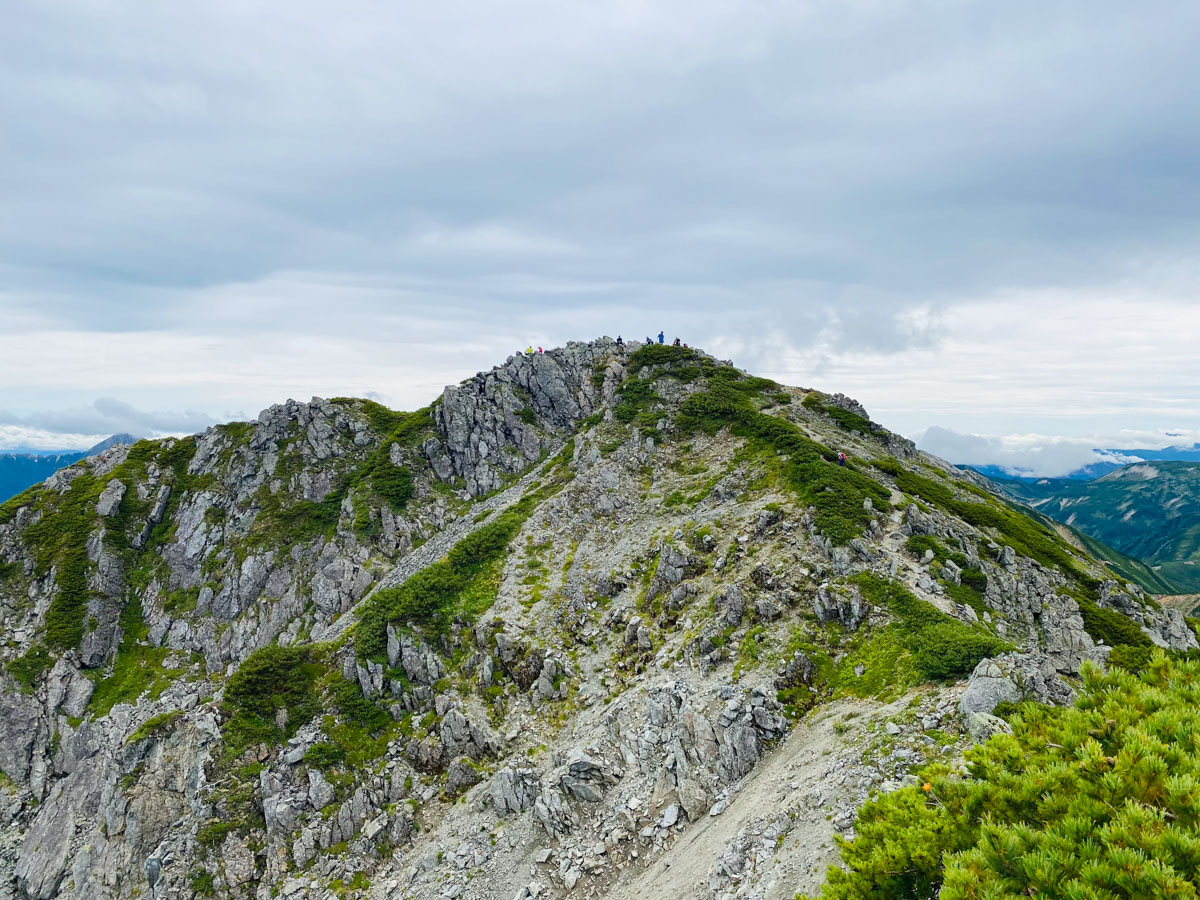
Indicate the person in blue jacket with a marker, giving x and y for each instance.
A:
(661, 338)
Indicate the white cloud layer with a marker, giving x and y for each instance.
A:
(1019, 454)
(967, 214)
(21, 437)
(1040, 455)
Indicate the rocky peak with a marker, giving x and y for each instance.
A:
(520, 643)
(499, 422)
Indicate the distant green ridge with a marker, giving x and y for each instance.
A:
(1145, 516)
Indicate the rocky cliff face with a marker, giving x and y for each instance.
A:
(520, 644)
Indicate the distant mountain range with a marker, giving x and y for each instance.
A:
(1099, 468)
(19, 471)
(1147, 510)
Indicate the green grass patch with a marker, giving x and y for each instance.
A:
(59, 540)
(28, 668)
(358, 728)
(921, 643)
(843, 417)
(283, 521)
(1107, 625)
(966, 595)
(213, 834)
(202, 883)
(394, 484)
(1023, 534)
(155, 725)
(181, 601)
(136, 670)
(836, 493)
(10, 507)
(918, 544)
(324, 755)
(462, 585)
(888, 667)
(404, 428)
(634, 401)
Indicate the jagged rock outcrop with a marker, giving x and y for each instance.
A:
(624, 645)
(487, 432)
(1012, 678)
(1165, 627)
(841, 604)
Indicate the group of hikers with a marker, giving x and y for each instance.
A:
(662, 339)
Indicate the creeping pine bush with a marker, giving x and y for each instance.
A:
(634, 397)
(1100, 801)
(271, 679)
(461, 585)
(28, 668)
(1112, 627)
(394, 484)
(59, 540)
(285, 521)
(837, 493)
(324, 755)
(843, 417)
(10, 507)
(662, 355)
(941, 646)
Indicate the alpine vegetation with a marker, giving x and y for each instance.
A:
(610, 620)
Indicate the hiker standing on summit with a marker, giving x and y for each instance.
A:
(661, 337)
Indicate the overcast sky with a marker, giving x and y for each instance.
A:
(973, 215)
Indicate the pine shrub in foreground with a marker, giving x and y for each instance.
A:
(1100, 801)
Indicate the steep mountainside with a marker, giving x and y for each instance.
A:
(1150, 511)
(20, 470)
(601, 622)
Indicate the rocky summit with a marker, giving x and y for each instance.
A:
(604, 622)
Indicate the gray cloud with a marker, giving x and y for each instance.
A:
(103, 417)
(1045, 455)
(861, 156)
(216, 209)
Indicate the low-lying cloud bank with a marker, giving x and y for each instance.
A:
(79, 428)
(1046, 456)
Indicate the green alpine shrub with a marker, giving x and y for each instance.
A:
(271, 679)
(1100, 801)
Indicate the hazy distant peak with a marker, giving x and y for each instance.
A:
(111, 442)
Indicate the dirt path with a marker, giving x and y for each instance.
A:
(785, 780)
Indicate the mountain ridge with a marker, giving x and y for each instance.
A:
(1149, 511)
(518, 643)
(19, 471)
